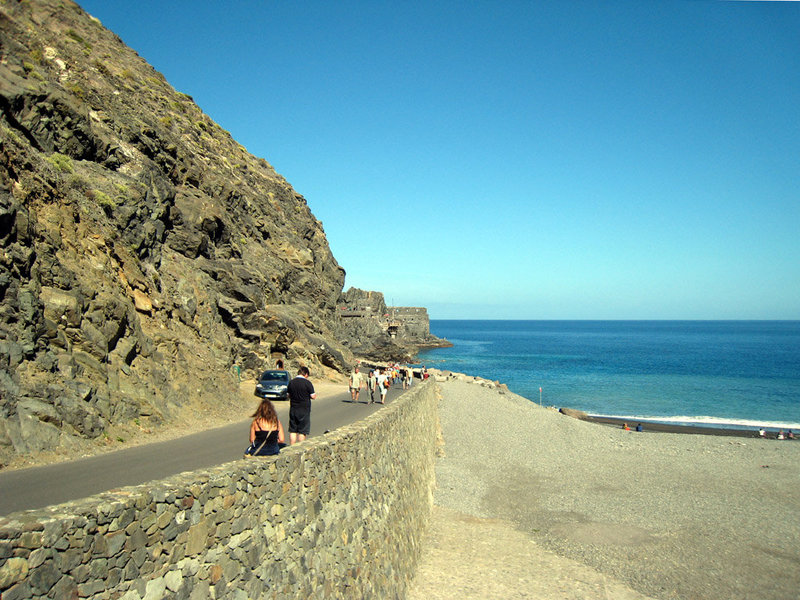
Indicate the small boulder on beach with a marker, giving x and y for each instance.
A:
(575, 414)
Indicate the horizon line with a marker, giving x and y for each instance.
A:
(624, 320)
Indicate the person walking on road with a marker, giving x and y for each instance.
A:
(407, 374)
(356, 383)
(383, 385)
(371, 385)
(301, 393)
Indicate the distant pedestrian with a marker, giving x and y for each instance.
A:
(301, 393)
(266, 431)
(279, 364)
(762, 433)
(405, 373)
(356, 383)
(371, 385)
(639, 428)
(383, 385)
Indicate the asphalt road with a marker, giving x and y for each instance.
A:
(38, 487)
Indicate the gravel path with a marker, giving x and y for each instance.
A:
(669, 515)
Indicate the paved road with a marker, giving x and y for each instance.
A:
(38, 487)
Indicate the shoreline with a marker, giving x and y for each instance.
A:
(618, 422)
(433, 344)
(651, 426)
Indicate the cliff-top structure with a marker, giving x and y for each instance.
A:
(143, 252)
(375, 331)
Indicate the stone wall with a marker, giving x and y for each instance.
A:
(339, 516)
(415, 321)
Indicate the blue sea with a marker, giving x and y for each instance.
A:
(741, 374)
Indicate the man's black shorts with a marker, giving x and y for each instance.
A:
(299, 421)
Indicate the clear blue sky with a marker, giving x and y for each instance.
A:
(502, 159)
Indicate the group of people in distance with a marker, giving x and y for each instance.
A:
(379, 380)
(779, 436)
(266, 431)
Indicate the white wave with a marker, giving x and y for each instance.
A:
(700, 421)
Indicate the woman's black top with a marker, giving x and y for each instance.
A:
(271, 445)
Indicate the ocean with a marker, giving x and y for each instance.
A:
(740, 374)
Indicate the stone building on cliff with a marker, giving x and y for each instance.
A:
(365, 317)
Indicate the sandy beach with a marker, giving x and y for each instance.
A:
(653, 514)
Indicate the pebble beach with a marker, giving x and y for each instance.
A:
(628, 514)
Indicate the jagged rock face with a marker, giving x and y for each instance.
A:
(143, 252)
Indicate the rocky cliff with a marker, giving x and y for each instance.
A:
(144, 254)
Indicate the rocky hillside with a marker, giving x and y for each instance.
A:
(144, 254)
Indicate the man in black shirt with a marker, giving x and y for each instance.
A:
(301, 392)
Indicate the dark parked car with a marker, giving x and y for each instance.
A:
(273, 385)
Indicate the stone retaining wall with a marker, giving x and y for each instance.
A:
(338, 516)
